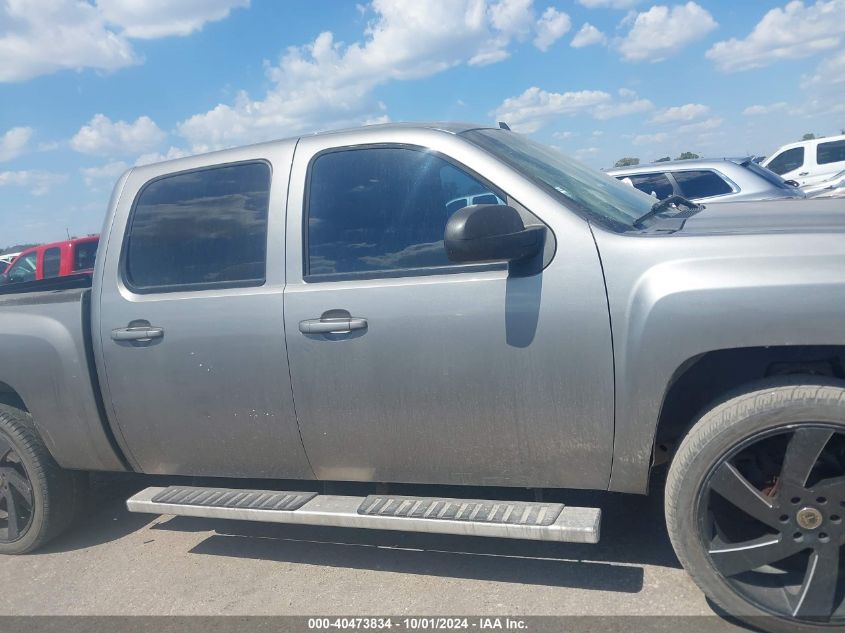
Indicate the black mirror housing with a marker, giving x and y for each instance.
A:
(491, 232)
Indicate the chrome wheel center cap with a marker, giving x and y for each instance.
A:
(809, 518)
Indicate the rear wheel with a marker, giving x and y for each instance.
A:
(38, 499)
(755, 506)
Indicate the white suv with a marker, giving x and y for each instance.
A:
(809, 162)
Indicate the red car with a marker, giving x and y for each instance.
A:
(59, 259)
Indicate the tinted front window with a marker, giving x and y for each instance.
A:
(789, 160)
(52, 262)
(832, 152)
(199, 228)
(382, 209)
(84, 255)
(656, 185)
(701, 184)
(23, 269)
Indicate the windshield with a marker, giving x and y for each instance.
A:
(597, 195)
(768, 174)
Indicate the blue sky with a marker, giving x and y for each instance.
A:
(88, 89)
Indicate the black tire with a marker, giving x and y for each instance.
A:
(55, 494)
(723, 453)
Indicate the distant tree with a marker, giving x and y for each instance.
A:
(627, 162)
(688, 156)
(664, 159)
(17, 248)
(809, 136)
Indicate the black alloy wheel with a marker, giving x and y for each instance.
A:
(16, 500)
(770, 517)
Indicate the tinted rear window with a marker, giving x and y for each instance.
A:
(701, 183)
(52, 262)
(199, 229)
(832, 152)
(84, 255)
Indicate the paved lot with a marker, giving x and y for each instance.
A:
(115, 562)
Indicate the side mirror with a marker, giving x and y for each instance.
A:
(491, 232)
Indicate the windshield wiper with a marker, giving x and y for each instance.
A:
(678, 202)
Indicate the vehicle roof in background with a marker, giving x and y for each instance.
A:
(677, 165)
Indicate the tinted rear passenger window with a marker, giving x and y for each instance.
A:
(701, 184)
(656, 185)
(52, 262)
(200, 229)
(832, 152)
(383, 209)
(84, 255)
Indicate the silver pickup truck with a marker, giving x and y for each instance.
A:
(447, 304)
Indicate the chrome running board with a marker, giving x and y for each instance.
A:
(469, 517)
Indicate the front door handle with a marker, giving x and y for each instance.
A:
(804, 173)
(340, 325)
(140, 334)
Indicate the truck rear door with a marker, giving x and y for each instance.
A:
(407, 367)
(188, 319)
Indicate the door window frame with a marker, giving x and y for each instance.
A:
(448, 269)
(122, 265)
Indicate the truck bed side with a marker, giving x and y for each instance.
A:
(46, 363)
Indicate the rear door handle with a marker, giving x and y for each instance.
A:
(332, 326)
(804, 173)
(141, 334)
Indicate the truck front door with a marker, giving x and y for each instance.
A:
(431, 371)
(191, 332)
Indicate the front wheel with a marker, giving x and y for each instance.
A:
(755, 500)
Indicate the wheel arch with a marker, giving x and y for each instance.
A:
(702, 381)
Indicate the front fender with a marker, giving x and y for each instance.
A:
(668, 308)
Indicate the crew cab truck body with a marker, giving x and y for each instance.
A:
(307, 309)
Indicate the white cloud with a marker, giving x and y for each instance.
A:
(662, 31)
(39, 37)
(563, 135)
(651, 139)
(150, 19)
(761, 110)
(677, 114)
(701, 126)
(38, 182)
(105, 137)
(829, 73)
(42, 36)
(512, 17)
(156, 157)
(587, 36)
(109, 172)
(328, 84)
(609, 4)
(534, 108)
(795, 31)
(630, 104)
(14, 142)
(551, 26)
